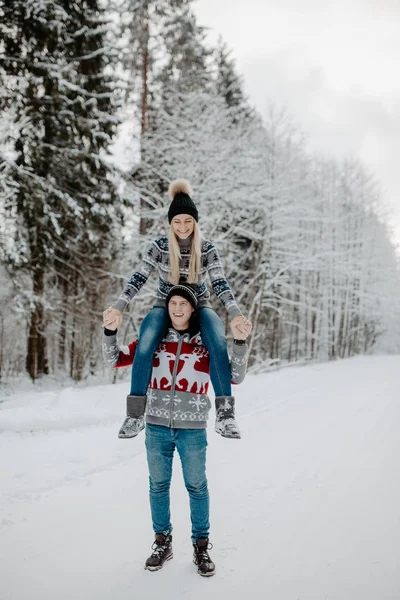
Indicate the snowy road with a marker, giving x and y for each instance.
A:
(305, 507)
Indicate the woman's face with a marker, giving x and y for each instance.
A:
(182, 226)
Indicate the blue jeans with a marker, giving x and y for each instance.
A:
(191, 445)
(152, 331)
(213, 334)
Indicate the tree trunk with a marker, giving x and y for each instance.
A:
(144, 108)
(72, 353)
(36, 360)
(1, 346)
(63, 326)
(274, 352)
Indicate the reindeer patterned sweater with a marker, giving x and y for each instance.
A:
(177, 394)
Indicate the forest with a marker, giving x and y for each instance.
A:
(101, 106)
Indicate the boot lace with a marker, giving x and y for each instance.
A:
(159, 548)
(202, 553)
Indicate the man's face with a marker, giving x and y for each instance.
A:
(180, 311)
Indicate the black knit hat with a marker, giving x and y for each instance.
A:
(184, 290)
(182, 204)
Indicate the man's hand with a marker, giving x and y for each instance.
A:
(112, 318)
(240, 327)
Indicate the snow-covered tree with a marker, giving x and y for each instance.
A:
(295, 232)
(54, 58)
(228, 83)
(305, 247)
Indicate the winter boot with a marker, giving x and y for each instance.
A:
(225, 423)
(162, 551)
(201, 558)
(134, 422)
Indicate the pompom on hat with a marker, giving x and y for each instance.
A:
(180, 192)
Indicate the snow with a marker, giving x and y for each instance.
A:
(304, 507)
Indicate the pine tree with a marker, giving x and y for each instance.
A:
(185, 67)
(228, 83)
(165, 55)
(53, 62)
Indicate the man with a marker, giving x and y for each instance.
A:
(176, 414)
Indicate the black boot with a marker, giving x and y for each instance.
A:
(162, 551)
(201, 558)
(134, 422)
(225, 423)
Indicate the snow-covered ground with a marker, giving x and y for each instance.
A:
(305, 507)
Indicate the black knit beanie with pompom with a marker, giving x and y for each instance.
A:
(180, 192)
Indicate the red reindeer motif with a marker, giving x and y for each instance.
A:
(199, 379)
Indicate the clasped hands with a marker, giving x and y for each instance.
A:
(112, 318)
(240, 327)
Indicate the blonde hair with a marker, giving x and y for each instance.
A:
(174, 255)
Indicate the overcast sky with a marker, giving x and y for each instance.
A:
(334, 65)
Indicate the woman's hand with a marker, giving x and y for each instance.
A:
(240, 327)
(112, 318)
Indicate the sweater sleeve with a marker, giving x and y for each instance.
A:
(218, 281)
(115, 355)
(139, 278)
(239, 358)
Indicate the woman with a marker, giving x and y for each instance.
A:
(183, 256)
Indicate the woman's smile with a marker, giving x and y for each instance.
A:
(185, 221)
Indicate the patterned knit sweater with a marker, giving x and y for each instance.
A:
(177, 394)
(156, 257)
